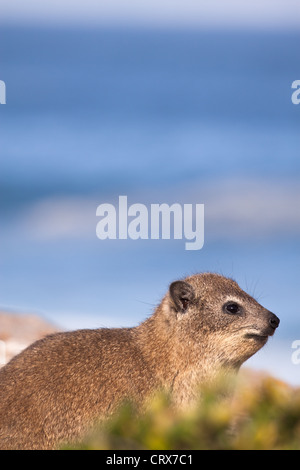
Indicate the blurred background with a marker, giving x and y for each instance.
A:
(186, 102)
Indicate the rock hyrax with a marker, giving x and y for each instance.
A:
(52, 391)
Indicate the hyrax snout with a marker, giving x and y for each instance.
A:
(59, 386)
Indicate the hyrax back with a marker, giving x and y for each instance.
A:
(56, 388)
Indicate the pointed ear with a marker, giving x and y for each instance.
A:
(182, 294)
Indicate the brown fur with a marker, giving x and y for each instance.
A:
(56, 388)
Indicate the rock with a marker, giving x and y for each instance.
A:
(17, 331)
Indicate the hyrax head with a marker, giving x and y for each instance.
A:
(215, 313)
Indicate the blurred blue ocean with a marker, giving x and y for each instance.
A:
(159, 116)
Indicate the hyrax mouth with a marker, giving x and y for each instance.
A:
(256, 336)
(263, 335)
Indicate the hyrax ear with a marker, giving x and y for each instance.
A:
(182, 294)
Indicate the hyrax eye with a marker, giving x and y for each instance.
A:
(232, 307)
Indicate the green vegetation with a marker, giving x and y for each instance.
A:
(263, 413)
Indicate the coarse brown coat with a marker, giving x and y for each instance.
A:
(60, 385)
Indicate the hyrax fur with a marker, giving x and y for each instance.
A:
(56, 388)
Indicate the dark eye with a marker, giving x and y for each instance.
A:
(232, 308)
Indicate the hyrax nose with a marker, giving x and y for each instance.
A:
(274, 321)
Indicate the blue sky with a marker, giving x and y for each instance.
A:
(217, 13)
